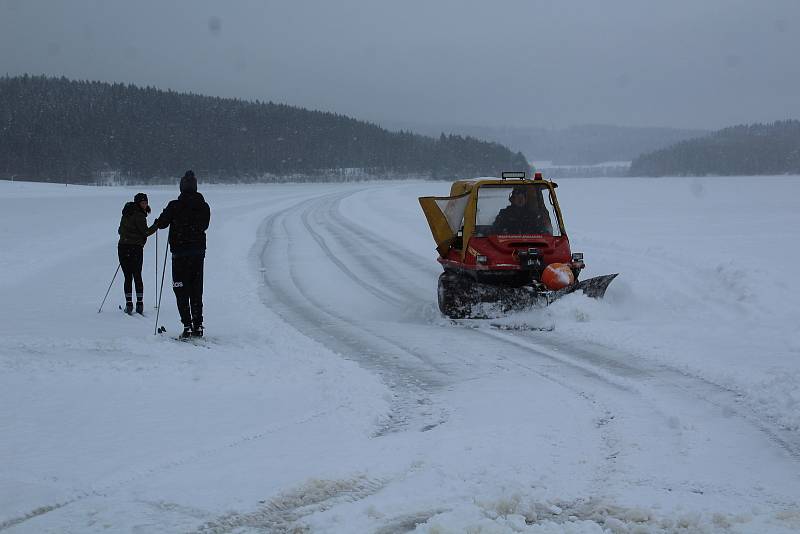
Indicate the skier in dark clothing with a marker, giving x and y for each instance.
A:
(188, 218)
(523, 216)
(133, 232)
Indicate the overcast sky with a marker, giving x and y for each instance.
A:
(553, 63)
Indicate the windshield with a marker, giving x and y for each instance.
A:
(515, 210)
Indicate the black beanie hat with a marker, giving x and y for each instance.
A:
(188, 182)
(139, 197)
(519, 190)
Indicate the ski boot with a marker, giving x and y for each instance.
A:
(128, 308)
(186, 334)
(140, 307)
(197, 331)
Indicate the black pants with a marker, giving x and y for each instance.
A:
(187, 282)
(130, 259)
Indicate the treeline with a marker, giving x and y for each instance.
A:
(55, 129)
(755, 149)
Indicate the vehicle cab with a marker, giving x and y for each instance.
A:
(500, 231)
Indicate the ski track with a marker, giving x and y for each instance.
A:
(379, 293)
(409, 385)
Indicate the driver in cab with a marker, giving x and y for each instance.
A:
(523, 215)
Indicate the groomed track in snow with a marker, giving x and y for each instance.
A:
(331, 396)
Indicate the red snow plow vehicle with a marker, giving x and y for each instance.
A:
(503, 243)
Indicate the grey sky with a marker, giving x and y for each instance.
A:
(682, 63)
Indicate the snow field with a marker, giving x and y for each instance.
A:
(332, 397)
(95, 404)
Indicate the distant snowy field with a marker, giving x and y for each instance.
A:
(331, 396)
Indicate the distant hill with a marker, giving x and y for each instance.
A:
(754, 149)
(587, 144)
(79, 131)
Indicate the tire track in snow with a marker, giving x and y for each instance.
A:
(611, 366)
(317, 319)
(375, 290)
(378, 272)
(601, 369)
(411, 385)
(521, 362)
(37, 512)
(607, 372)
(282, 513)
(625, 371)
(371, 288)
(411, 305)
(726, 398)
(371, 240)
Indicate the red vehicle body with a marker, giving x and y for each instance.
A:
(502, 253)
(495, 245)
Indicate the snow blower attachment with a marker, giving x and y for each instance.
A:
(502, 243)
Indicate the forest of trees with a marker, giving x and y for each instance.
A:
(55, 129)
(755, 149)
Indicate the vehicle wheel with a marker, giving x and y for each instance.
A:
(453, 296)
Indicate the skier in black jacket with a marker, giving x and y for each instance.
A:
(188, 218)
(133, 233)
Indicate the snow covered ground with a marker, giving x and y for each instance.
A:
(331, 396)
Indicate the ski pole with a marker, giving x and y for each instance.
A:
(161, 292)
(109, 288)
(155, 284)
